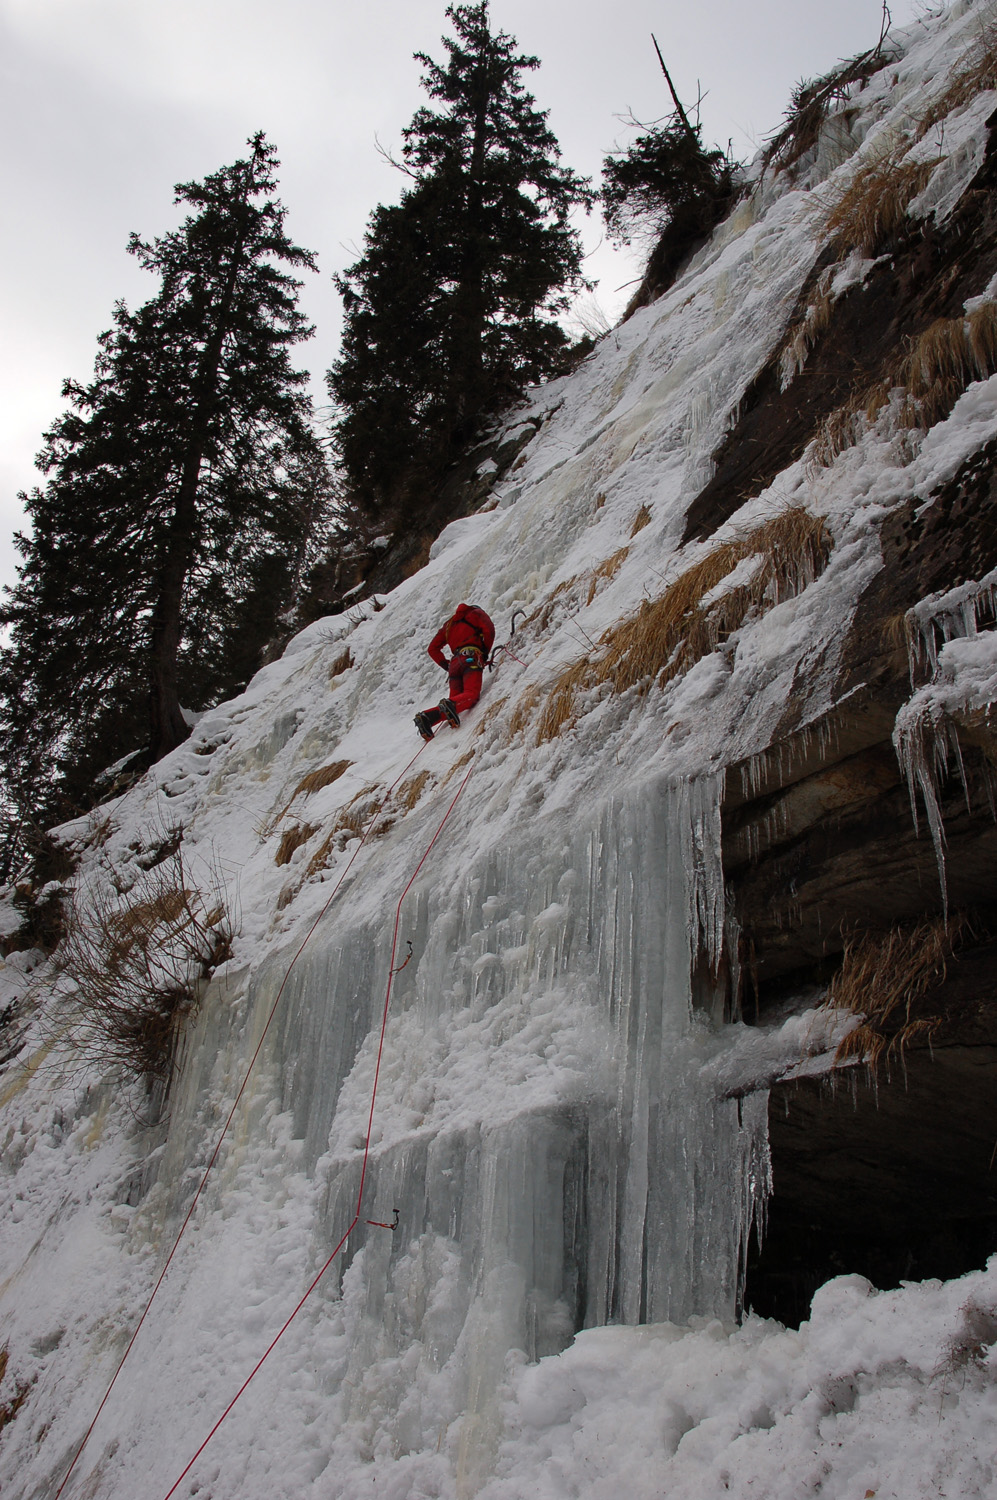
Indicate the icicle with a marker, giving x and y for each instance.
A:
(952, 615)
(925, 739)
(922, 746)
(704, 796)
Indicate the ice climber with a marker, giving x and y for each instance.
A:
(470, 635)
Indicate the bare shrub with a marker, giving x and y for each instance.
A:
(292, 839)
(138, 967)
(693, 616)
(872, 210)
(810, 104)
(881, 979)
(156, 846)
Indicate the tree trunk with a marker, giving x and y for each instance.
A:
(468, 325)
(167, 726)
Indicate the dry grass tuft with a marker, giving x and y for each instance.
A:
(9, 1409)
(801, 338)
(292, 839)
(881, 979)
(357, 819)
(981, 338)
(458, 765)
(641, 519)
(544, 613)
(898, 631)
(944, 360)
(523, 711)
(343, 663)
(138, 969)
(410, 791)
(669, 634)
(316, 780)
(491, 713)
(843, 428)
(872, 210)
(609, 567)
(313, 782)
(977, 74)
(935, 369)
(559, 709)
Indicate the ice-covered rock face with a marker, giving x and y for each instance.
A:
(570, 1128)
(548, 1126)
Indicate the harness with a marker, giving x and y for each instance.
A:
(473, 657)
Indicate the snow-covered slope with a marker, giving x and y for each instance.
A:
(572, 1133)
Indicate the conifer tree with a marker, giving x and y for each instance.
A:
(667, 185)
(183, 484)
(452, 307)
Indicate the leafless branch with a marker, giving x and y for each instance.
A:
(671, 88)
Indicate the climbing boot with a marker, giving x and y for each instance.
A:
(448, 711)
(424, 727)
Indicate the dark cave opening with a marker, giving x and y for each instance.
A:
(894, 1178)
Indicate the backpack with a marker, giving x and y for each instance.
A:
(476, 618)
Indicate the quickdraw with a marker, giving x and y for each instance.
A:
(407, 961)
(376, 1223)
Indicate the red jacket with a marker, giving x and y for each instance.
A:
(467, 626)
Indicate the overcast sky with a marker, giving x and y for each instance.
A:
(106, 104)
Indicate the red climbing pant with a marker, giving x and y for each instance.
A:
(464, 687)
(465, 683)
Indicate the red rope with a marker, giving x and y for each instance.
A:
(512, 654)
(366, 1151)
(228, 1122)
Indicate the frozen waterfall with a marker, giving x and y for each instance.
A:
(546, 1123)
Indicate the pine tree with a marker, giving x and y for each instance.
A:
(452, 307)
(184, 483)
(665, 176)
(668, 186)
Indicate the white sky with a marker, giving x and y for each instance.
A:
(105, 104)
